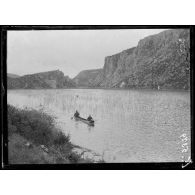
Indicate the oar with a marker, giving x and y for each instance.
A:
(93, 120)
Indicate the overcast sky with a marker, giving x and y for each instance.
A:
(67, 50)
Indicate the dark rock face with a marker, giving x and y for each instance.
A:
(159, 61)
(44, 80)
(86, 77)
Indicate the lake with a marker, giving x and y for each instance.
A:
(130, 125)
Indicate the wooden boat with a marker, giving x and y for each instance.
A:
(91, 123)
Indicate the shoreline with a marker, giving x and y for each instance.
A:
(114, 89)
(33, 138)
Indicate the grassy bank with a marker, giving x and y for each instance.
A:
(34, 139)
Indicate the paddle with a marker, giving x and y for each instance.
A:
(93, 120)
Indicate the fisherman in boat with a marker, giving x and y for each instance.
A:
(90, 118)
(76, 114)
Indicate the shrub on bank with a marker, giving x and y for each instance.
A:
(61, 139)
(35, 126)
(39, 129)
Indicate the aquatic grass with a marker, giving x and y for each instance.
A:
(85, 103)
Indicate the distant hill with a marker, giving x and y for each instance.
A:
(159, 61)
(44, 80)
(12, 75)
(86, 77)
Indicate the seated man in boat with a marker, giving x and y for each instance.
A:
(90, 118)
(76, 114)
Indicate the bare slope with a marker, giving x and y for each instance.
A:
(86, 77)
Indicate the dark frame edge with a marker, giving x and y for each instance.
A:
(101, 166)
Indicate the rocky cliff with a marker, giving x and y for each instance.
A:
(86, 77)
(44, 80)
(159, 61)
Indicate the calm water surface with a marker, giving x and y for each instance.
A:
(130, 125)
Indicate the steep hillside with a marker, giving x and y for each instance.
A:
(159, 61)
(86, 77)
(44, 80)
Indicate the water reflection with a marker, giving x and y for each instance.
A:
(90, 128)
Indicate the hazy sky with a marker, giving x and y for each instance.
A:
(67, 50)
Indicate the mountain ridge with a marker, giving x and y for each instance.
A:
(12, 75)
(159, 61)
(43, 80)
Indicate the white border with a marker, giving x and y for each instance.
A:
(88, 12)
(96, 182)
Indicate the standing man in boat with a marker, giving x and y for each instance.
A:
(76, 114)
(90, 118)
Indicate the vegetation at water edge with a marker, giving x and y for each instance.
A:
(34, 139)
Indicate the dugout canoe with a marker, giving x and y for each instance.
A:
(91, 123)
